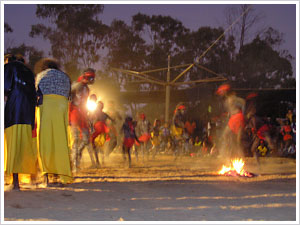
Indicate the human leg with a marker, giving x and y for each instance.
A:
(75, 132)
(124, 153)
(16, 185)
(254, 151)
(129, 156)
(86, 142)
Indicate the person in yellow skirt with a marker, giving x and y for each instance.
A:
(19, 116)
(156, 137)
(177, 128)
(53, 87)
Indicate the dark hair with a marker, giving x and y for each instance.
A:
(46, 63)
(93, 97)
(9, 57)
(20, 58)
(89, 70)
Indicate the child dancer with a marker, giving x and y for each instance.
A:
(130, 137)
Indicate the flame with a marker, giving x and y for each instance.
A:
(236, 168)
(91, 105)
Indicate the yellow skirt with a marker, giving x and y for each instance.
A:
(177, 131)
(20, 153)
(100, 140)
(155, 141)
(54, 152)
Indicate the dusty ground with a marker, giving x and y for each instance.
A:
(188, 189)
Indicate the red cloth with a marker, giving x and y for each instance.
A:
(190, 127)
(287, 137)
(144, 137)
(100, 128)
(77, 117)
(236, 122)
(262, 130)
(287, 130)
(128, 142)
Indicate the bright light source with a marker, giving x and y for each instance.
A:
(91, 105)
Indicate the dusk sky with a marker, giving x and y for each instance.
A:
(282, 17)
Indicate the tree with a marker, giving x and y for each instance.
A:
(250, 18)
(77, 35)
(31, 53)
(217, 59)
(258, 65)
(163, 36)
(7, 28)
(126, 50)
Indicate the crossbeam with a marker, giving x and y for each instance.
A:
(137, 74)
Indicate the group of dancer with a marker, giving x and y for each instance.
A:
(48, 125)
(248, 134)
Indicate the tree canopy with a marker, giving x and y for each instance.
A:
(79, 39)
(76, 34)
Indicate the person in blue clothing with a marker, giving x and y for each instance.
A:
(130, 137)
(20, 155)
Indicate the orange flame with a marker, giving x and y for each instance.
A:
(235, 169)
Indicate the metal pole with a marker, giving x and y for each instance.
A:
(168, 90)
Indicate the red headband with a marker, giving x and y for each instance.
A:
(223, 89)
(251, 95)
(89, 74)
(142, 116)
(80, 78)
(86, 75)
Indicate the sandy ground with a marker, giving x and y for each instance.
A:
(188, 189)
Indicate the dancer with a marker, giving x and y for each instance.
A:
(156, 137)
(177, 128)
(143, 132)
(100, 127)
(234, 106)
(78, 118)
(114, 126)
(129, 138)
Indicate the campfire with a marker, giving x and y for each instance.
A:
(235, 169)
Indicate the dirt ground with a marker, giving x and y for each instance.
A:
(161, 189)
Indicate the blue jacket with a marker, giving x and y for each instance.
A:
(19, 87)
